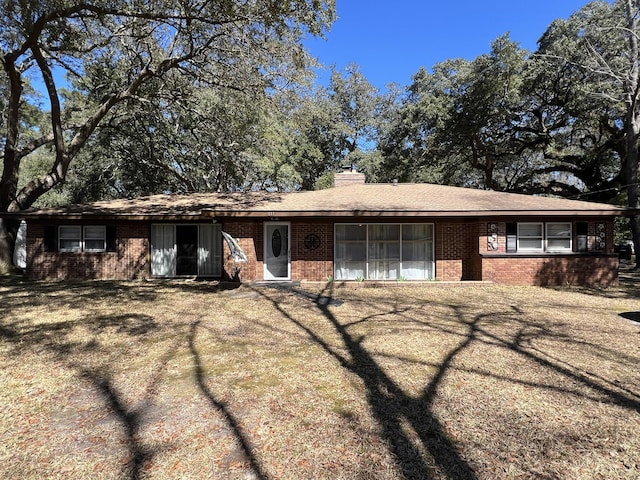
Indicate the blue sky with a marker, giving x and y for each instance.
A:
(392, 39)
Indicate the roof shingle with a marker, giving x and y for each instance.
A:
(346, 201)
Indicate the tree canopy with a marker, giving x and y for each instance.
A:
(125, 54)
(204, 95)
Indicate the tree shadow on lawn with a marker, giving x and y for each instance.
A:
(221, 407)
(129, 418)
(56, 339)
(19, 292)
(56, 336)
(435, 453)
(390, 405)
(522, 342)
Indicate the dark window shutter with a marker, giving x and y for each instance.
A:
(50, 238)
(582, 232)
(112, 243)
(512, 237)
(582, 228)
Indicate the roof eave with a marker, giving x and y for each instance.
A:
(410, 213)
(206, 214)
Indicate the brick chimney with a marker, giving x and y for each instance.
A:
(349, 176)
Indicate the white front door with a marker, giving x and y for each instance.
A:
(277, 265)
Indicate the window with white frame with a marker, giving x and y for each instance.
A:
(94, 238)
(70, 238)
(350, 252)
(78, 238)
(530, 237)
(539, 237)
(417, 251)
(558, 237)
(383, 251)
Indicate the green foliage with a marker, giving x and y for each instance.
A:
(160, 96)
(549, 122)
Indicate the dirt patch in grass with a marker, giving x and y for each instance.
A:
(182, 380)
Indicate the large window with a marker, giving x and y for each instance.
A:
(383, 251)
(417, 252)
(351, 251)
(558, 237)
(179, 250)
(539, 237)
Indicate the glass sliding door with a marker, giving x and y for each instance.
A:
(209, 250)
(163, 251)
(186, 250)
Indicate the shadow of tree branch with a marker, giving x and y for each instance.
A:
(220, 406)
(391, 407)
(130, 419)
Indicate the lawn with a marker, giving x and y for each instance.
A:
(180, 380)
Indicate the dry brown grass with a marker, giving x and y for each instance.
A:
(180, 380)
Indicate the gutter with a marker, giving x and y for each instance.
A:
(213, 213)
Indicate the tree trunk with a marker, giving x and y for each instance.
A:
(633, 128)
(8, 234)
(632, 89)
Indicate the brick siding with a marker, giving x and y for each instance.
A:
(309, 261)
(453, 252)
(130, 260)
(463, 251)
(597, 266)
(552, 270)
(249, 235)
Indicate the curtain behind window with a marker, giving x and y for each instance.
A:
(209, 250)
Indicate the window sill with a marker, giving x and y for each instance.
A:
(546, 254)
(82, 252)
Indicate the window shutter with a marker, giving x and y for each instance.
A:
(582, 232)
(112, 243)
(50, 238)
(512, 237)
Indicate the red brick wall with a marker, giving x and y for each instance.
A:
(314, 264)
(598, 266)
(453, 251)
(129, 261)
(551, 270)
(594, 237)
(462, 252)
(307, 262)
(249, 235)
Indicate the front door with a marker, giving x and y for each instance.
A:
(276, 251)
